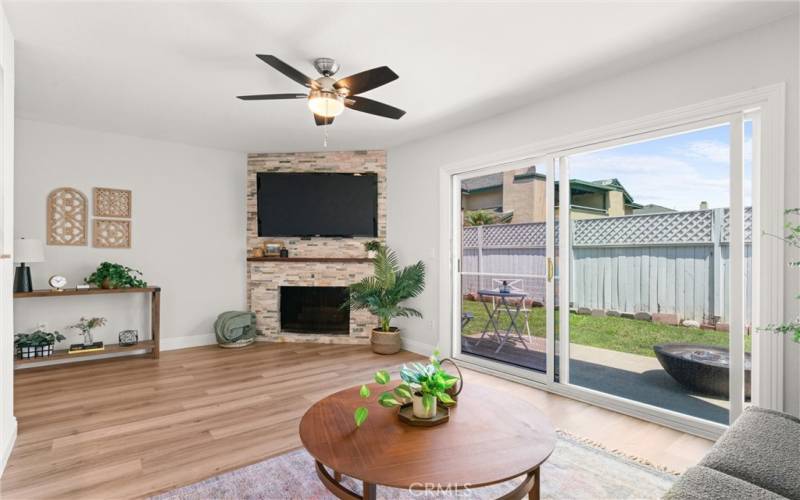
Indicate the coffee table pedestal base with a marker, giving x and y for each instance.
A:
(527, 488)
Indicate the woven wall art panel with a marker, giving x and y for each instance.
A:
(111, 233)
(112, 202)
(66, 217)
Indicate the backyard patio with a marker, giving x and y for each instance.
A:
(609, 354)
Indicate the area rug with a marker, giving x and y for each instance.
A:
(576, 470)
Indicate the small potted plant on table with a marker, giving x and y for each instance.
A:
(37, 344)
(424, 385)
(382, 293)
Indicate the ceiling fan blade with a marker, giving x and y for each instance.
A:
(270, 97)
(321, 120)
(288, 71)
(373, 107)
(367, 80)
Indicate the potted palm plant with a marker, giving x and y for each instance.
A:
(382, 293)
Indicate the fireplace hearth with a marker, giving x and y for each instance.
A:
(314, 310)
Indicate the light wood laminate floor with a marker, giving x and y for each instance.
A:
(134, 427)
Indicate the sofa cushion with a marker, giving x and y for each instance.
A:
(763, 448)
(702, 483)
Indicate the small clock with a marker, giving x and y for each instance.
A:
(58, 283)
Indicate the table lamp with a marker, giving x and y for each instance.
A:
(26, 250)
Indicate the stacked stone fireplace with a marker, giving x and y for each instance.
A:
(326, 263)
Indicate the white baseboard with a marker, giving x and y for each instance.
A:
(172, 343)
(418, 347)
(9, 435)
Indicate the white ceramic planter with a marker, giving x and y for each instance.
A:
(419, 408)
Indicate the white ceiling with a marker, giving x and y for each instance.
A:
(171, 70)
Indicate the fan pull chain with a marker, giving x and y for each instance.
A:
(325, 127)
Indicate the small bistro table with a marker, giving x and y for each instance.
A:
(491, 437)
(501, 336)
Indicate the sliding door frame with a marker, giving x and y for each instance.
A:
(456, 250)
(768, 253)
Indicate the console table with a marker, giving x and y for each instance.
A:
(153, 345)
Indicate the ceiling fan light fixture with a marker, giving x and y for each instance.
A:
(325, 103)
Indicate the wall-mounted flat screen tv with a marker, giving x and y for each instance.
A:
(317, 204)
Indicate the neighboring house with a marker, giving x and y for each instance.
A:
(522, 192)
(654, 209)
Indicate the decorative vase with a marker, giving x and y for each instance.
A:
(371, 254)
(87, 337)
(419, 408)
(107, 284)
(386, 342)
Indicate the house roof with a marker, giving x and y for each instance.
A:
(652, 208)
(482, 183)
(495, 181)
(602, 185)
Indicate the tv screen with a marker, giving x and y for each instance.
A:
(317, 204)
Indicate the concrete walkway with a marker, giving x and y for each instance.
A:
(631, 376)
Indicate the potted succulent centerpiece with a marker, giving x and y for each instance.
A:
(37, 344)
(382, 293)
(109, 275)
(424, 386)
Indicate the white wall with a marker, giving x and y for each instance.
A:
(756, 58)
(8, 424)
(188, 226)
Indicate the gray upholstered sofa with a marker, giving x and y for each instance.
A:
(758, 457)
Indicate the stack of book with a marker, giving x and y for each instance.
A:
(80, 348)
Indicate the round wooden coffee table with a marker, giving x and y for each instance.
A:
(491, 437)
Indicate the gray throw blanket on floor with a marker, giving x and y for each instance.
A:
(232, 326)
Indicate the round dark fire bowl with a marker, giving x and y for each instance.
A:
(700, 368)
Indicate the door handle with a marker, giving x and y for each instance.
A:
(549, 269)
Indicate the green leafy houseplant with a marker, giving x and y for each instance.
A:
(383, 292)
(427, 383)
(372, 245)
(791, 238)
(38, 343)
(109, 275)
(86, 326)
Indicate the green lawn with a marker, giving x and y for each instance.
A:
(618, 334)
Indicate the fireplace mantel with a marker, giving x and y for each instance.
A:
(309, 259)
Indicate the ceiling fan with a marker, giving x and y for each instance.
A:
(327, 96)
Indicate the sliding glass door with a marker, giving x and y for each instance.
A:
(505, 248)
(659, 244)
(619, 272)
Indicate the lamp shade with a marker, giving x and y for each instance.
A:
(28, 250)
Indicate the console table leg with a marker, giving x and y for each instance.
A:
(155, 322)
(370, 491)
(534, 493)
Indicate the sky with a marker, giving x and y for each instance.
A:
(677, 172)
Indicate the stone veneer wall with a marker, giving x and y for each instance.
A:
(264, 279)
